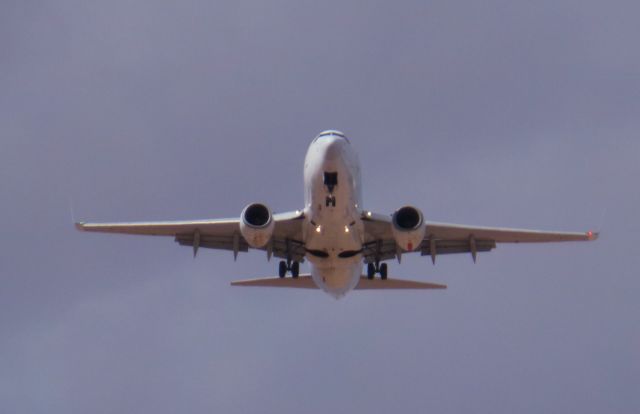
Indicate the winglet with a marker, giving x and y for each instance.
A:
(592, 235)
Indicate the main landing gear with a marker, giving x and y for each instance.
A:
(288, 266)
(372, 269)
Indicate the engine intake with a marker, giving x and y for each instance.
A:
(408, 227)
(256, 224)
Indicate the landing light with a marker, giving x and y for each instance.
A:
(368, 214)
(346, 229)
(318, 229)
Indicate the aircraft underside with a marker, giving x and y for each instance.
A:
(333, 231)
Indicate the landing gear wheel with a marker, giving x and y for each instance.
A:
(282, 268)
(383, 271)
(371, 271)
(295, 270)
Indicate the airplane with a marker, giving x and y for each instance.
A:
(334, 231)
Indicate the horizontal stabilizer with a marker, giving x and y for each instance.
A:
(370, 284)
(305, 282)
(300, 282)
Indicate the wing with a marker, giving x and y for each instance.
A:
(222, 234)
(446, 238)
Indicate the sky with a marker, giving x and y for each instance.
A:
(497, 113)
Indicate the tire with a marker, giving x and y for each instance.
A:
(295, 269)
(383, 271)
(371, 270)
(282, 268)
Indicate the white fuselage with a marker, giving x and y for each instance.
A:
(333, 230)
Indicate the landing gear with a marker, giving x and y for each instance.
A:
(372, 269)
(383, 271)
(284, 267)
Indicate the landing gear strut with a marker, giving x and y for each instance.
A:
(288, 266)
(372, 269)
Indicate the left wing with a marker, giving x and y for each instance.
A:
(223, 234)
(446, 238)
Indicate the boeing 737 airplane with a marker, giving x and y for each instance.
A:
(334, 231)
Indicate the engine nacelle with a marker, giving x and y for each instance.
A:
(256, 224)
(408, 228)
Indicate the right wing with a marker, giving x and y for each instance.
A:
(503, 235)
(222, 234)
(446, 238)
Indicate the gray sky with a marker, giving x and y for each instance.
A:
(496, 113)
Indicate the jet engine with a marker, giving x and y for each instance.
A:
(256, 224)
(407, 225)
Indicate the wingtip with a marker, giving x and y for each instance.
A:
(592, 235)
(79, 225)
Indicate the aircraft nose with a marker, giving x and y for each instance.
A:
(333, 149)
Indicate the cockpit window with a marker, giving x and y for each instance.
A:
(331, 133)
(338, 133)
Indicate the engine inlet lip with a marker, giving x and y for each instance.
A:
(407, 218)
(257, 216)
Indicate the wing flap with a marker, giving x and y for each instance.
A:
(213, 242)
(387, 249)
(455, 246)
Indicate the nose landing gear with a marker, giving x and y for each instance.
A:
(288, 266)
(372, 269)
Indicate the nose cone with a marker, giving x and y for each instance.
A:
(331, 143)
(336, 281)
(333, 150)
